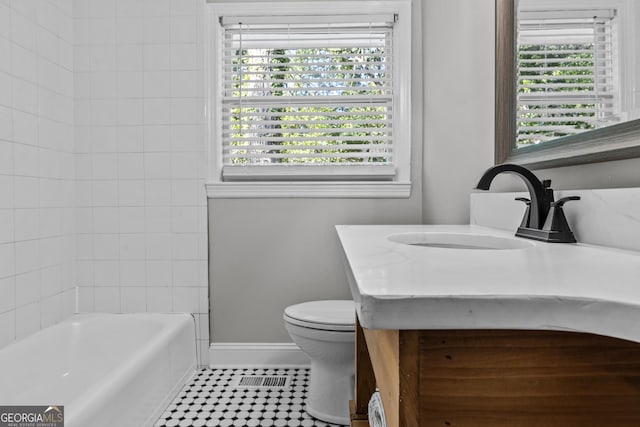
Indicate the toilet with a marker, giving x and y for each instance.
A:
(325, 331)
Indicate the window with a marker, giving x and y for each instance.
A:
(567, 73)
(298, 96)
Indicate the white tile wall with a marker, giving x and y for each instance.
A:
(105, 193)
(140, 167)
(37, 168)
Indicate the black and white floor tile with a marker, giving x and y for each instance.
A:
(211, 400)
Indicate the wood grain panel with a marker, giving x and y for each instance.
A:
(384, 350)
(365, 382)
(528, 378)
(409, 356)
(395, 360)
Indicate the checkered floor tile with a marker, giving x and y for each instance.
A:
(211, 400)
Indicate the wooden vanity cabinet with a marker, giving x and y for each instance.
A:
(497, 378)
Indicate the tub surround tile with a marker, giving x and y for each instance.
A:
(106, 246)
(184, 7)
(6, 148)
(133, 273)
(7, 255)
(28, 319)
(131, 192)
(158, 246)
(86, 298)
(130, 139)
(132, 246)
(158, 193)
(27, 288)
(8, 292)
(185, 246)
(7, 327)
(157, 139)
(27, 256)
(156, 57)
(185, 299)
(126, 7)
(101, 160)
(133, 299)
(51, 311)
(159, 299)
(105, 273)
(159, 275)
(51, 281)
(26, 191)
(107, 299)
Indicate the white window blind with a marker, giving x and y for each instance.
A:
(566, 73)
(307, 97)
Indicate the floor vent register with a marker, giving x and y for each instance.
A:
(261, 382)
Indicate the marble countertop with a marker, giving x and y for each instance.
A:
(546, 286)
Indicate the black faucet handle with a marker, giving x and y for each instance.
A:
(546, 183)
(556, 222)
(560, 202)
(527, 213)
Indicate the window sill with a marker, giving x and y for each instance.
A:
(309, 190)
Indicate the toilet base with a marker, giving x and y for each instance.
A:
(325, 331)
(330, 390)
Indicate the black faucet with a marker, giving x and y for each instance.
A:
(537, 224)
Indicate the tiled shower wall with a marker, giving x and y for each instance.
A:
(139, 114)
(37, 169)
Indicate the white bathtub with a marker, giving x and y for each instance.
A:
(118, 370)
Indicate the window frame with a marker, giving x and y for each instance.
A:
(364, 187)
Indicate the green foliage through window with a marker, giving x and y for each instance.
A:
(566, 82)
(312, 100)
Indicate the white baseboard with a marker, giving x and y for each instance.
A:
(235, 355)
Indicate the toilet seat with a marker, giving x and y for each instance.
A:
(337, 315)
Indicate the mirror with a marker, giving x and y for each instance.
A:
(610, 133)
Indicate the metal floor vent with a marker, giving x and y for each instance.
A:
(261, 381)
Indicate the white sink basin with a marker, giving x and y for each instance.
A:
(460, 241)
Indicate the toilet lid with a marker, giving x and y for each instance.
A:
(337, 315)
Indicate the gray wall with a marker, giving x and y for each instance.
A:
(266, 254)
(458, 39)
